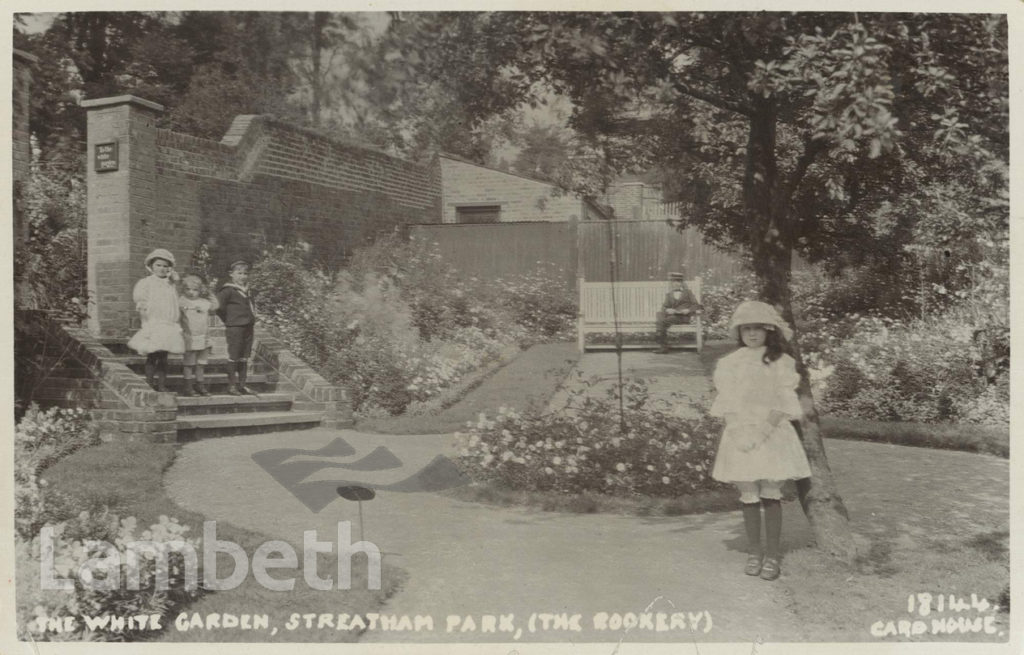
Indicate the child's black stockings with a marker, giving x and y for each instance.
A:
(243, 371)
(233, 378)
(151, 360)
(156, 370)
(752, 523)
(772, 526)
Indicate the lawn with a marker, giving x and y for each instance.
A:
(925, 521)
(520, 381)
(126, 478)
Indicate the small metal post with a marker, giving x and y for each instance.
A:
(358, 494)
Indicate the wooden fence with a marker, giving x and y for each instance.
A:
(495, 250)
(649, 250)
(644, 250)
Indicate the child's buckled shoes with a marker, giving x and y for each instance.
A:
(771, 569)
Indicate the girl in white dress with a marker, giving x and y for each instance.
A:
(156, 299)
(759, 448)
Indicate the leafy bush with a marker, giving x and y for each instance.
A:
(50, 269)
(872, 355)
(398, 326)
(540, 302)
(923, 370)
(582, 449)
(42, 438)
(720, 300)
(439, 299)
(894, 364)
(103, 539)
(290, 298)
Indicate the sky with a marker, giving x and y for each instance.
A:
(35, 23)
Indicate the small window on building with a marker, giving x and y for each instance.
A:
(478, 214)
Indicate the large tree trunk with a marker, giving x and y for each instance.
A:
(771, 245)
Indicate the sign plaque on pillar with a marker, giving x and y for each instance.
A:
(106, 157)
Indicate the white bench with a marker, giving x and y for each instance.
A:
(636, 307)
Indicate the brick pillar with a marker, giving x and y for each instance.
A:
(120, 204)
(21, 145)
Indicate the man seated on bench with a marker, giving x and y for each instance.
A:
(677, 309)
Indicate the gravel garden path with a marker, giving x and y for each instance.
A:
(468, 559)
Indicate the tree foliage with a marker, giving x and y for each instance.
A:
(823, 134)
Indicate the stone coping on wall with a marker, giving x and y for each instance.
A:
(244, 124)
(319, 394)
(112, 101)
(130, 408)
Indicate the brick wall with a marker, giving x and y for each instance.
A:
(77, 371)
(520, 198)
(278, 184)
(21, 147)
(264, 183)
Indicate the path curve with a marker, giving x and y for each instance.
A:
(473, 559)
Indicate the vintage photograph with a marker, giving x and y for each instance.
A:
(641, 330)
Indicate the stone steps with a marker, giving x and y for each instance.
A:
(278, 404)
(217, 383)
(227, 404)
(191, 427)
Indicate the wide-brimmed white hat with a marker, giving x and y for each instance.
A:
(159, 253)
(754, 311)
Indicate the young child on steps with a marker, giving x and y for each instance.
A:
(195, 318)
(156, 300)
(237, 311)
(759, 448)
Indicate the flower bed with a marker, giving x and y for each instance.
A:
(674, 338)
(924, 370)
(398, 326)
(94, 553)
(582, 448)
(870, 358)
(88, 547)
(41, 439)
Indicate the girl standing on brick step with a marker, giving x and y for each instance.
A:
(759, 448)
(156, 300)
(238, 313)
(196, 304)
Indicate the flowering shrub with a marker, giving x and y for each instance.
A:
(870, 354)
(540, 302)
(720, 300)
(290, 298)
(920, 370)
(582, 448)
(398, 325)
(87, 541)
(42, 438)
(50, 267)
(439, 299)
(381, 356)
